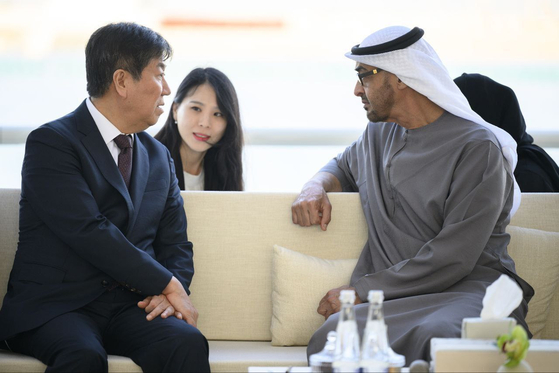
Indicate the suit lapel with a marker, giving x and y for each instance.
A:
(95, 145)
(139, 178)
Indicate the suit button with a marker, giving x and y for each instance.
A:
(104, 283)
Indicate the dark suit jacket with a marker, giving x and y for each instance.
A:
(80, 228)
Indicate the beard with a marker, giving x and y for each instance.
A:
(383, 102)
(374, 116)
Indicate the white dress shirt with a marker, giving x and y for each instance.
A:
(107, 129)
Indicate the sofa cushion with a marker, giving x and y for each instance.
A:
(225, 356)
(238, 356)
(14, 362)
(536, 255)
(299, 282)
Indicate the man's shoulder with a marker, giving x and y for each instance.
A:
(63, 125)
(468, 130)
(57, 129)
(152, 146)
(149, 140)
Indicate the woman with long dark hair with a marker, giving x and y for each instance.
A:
(203, 133)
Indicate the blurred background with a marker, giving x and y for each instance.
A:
(286, 60)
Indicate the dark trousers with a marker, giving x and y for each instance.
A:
(80, 341)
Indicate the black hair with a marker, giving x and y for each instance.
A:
(126, 46)
(223, 167)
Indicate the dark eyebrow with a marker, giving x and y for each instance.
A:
(161, 65)
(197, 103)
(359, 68)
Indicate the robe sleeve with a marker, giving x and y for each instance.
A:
(476, 200)
(344, 167)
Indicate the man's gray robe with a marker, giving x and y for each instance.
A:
(437, 202)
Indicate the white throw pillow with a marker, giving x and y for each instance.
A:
(298, 284)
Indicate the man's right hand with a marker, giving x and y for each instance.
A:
(330, 303)
(312, 206)
(176, 295)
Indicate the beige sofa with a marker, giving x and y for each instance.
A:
(253, 298)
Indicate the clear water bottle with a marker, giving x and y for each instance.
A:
(396, 361)
(346, 354)
(374, 351)
(322, 361)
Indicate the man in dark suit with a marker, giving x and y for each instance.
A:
(103, 264)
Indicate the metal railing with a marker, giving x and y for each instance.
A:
(545, 139)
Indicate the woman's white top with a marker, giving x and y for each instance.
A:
(193, 182)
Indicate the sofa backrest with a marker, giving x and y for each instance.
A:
(233, 235)
(540, 211)
(9, 229)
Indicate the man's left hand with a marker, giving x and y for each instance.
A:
(330, 303)
(158, 305)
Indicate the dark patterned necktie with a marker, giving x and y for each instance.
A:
(124, 142)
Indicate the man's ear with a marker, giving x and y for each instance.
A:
(121, 80)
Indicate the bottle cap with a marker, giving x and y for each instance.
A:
(375, 296)
(347, 296)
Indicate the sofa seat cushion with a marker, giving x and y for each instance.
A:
(536, 255)
(225, 356)
(13, 362)
(237, 356)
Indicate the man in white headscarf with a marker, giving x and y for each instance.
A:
(437, 189)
